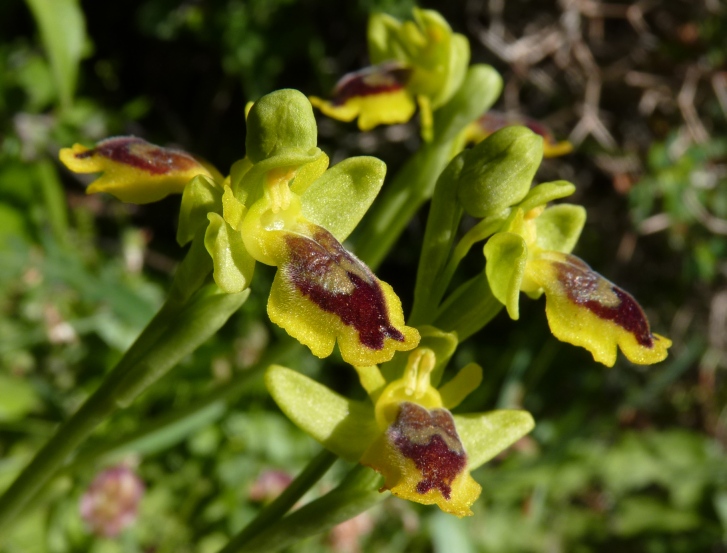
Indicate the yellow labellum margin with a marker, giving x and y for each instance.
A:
(585, 309)
(135, 170)
(406, 431)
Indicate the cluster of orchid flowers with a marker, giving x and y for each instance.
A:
(283, 206)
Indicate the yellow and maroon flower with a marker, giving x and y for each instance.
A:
(420, 62)
(406, 432)
(376, 95)
(134, 170)
(493, 121)
(532, 255)
(322, 293)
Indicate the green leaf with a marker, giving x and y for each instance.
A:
(484, 435)
(560, 226)
(280, 123)
(382, 34)
(233, 266)
(499, 170)
(344, 426)
(339, 198)
(17, 398)
(545, 193)
(506, 255)
(63, 32)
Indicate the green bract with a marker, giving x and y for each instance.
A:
(499, 170)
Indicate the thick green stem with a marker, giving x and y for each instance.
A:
(177, 330)
(356, 494)
(469, 308)
(313, 472)
(399, 202)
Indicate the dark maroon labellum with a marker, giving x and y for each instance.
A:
(341, 284)
(584, 287)
(386, 77)
(141, 154)
(430, 439)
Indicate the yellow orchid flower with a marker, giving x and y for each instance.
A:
(135, 170)
(406, 431)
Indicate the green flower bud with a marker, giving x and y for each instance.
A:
(499, 170)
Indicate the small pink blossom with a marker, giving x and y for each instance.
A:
(111, 502)
(269, 485)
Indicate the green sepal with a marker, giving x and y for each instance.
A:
(545, 193)
(484, 435)
(233, 266)
(344, 426)
(237, 172)
(340, 197)
(481, 87)
(499, 170)
(441, 59)
(506, 255)
(383, 42)
(280, 123)
(559, 227)
(200, 197)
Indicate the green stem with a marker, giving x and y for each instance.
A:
(445, 214)
(399, 202)
(313, 472)
(356, 494)
(170, 428)
(469, 308)
(183, 328)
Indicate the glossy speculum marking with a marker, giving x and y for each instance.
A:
(379, 79)
(141, 154)
(585, 287)
(429, 438)
(337, 282)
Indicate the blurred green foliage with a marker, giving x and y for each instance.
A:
(626, 460)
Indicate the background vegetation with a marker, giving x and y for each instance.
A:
(626, 459)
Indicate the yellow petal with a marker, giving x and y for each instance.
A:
(585, 309)
(134, 170)
(422, 459)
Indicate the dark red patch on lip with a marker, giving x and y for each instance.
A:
(386, 77)
(339, 283)
(430, 439)
(143, 155)
(581, 284)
